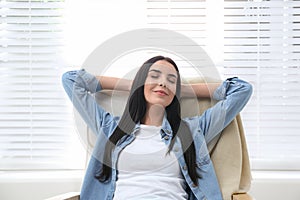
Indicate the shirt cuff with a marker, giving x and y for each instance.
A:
(90, 81)
(221, 92)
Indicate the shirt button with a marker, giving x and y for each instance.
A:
(166, 137)
(184, 167)
(194, 185)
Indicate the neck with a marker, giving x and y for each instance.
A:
(154, 115)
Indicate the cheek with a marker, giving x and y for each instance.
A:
(172, 92)
(172, 89)
(147, 90)
(172, 96)
(147, 87)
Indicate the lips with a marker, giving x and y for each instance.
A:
(160, 92)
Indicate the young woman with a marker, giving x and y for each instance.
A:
(150, 152)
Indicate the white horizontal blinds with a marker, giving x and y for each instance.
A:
(187, 17)
(261, 44)
(260, 41)
(35, 119)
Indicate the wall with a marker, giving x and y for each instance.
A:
(38, 185)
(42, 185)
(268, 185)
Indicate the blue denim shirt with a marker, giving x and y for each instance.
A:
(232, 96)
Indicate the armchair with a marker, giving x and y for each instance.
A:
(228, 152)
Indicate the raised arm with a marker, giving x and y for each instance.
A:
(187, 90)
(81, 87)
(232, 96)
(113, 83)
(199, 89)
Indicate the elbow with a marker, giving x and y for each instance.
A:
(68, 77)
(247, 90)
(68, 82)
(64, 78)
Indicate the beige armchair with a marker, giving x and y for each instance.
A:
(228, 152)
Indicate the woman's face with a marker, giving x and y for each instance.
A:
(160, 84)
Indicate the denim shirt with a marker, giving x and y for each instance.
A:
(232, 96)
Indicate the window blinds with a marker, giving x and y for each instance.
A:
(256, 40)
(188, 17)
(36, 125)
(259, 42)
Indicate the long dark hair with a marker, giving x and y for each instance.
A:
(134, 112)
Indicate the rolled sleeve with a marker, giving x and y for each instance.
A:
(80, 87)
(220, 92)
(232, 95)
(82, 79)
(89, 81)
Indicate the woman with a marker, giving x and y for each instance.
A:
(150, 152)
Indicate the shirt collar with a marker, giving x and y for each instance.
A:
(166, 127)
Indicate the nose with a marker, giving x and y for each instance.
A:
(162, 84)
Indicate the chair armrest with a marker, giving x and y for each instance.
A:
(66, 196)
(243, 196)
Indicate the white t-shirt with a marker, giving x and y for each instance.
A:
(146, 171)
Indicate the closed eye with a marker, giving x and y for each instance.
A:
(172, 80)
(154, 76)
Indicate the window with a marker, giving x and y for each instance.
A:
(36, 123)
(261, 43)
(257, 41)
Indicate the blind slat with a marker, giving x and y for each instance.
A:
(36, 5)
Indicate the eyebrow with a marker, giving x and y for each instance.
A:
(158, 71)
